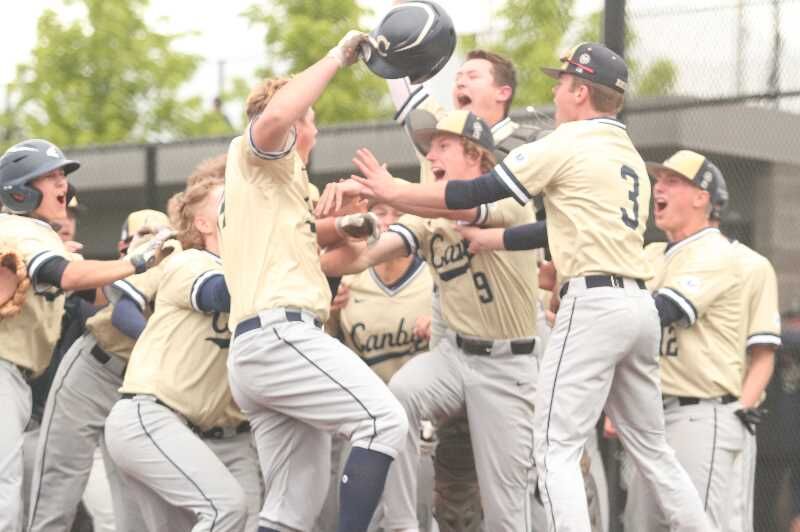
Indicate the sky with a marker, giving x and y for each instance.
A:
(701, 38)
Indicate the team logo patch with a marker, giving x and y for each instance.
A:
(706, 179)
(477, 130)
(520, 157)
(690, 284)
(52, 151)
(584, 59)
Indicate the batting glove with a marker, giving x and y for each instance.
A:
(147, 255)
(348, 49)
(751, 417)
(361, 225)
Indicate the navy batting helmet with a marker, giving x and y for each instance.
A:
(21, 164)
(414, 40)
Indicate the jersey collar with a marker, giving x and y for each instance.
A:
(609, 121)
(500, 125)
(674, 247)
(417, 264)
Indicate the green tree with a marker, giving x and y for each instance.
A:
(531, 37)
(299, 32)
(654, 79)
(108, 78)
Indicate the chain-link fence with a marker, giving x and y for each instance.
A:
(736, 99)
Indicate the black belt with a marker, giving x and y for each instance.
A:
(598, 281)
(253, 323)
(214, 433)
(100, 355)
(688, 401)
(484, 347)
(27, 373)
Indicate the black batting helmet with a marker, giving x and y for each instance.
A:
(21, 164)
(414, 40)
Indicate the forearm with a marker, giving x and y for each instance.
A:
(524, 237)
(327, 235)
(418, 196)
(465, 215)
(762, 364)
(467, 193)
(85, 274)
(345, 259)
(291, 102)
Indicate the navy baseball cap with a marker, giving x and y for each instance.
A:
(594, 62)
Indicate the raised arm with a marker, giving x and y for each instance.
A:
(271, 129)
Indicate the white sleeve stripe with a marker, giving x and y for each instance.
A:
(414, 100)
(38, 260)
(197, 285)
(764, 338)
(513, 185)
(409, 237)
(271, 155)
(129, 290)
(685, 305)
(483, 214)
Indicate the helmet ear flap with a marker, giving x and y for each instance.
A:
(20, 199)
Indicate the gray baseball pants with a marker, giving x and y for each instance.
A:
(180, 480)
(603, 351)
(497, 392)
(82, 394)
(298, 385)
(708, 439)
(15, 396)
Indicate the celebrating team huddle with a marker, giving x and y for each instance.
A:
(390, 355)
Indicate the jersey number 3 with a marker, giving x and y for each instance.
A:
(631, 221)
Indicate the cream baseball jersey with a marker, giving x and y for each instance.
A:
(703, 356)
(28, 338)
(378, 321)
(268, 235)
(596, 194)
(498, 288)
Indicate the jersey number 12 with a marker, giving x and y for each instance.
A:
(631, 221)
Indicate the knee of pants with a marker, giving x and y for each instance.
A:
(390, 429)
(233, 505)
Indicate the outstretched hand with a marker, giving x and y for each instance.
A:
(376, 177)
(337, 195)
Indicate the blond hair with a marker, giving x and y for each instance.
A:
(261, 94)
(603, 99)
(213, 167)
(182, 209)
(471, 149)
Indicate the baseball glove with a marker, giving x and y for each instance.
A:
(361, 226)
(14, 284)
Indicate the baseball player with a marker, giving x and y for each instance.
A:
(485, 362)
(700, 273)
(295, 383)
(73, 420)
(33, 190)
(176, 434)
(377, 323)
(603, 349)
(485, 85)
(763, 337)
(95, 509)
